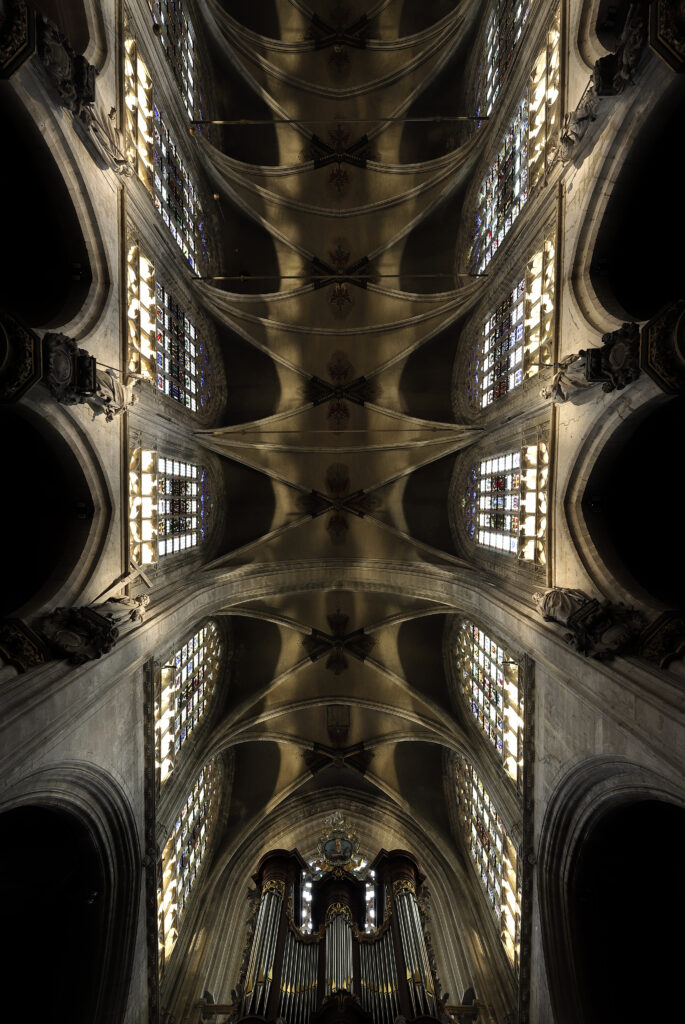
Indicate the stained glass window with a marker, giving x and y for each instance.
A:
(182, 858)
(177, 37)
(168, 505)
(517, 338)
(493, 854)
(505, 503)
(314, 873)
(490, 683)
(163, 343)
(524, 155)
(505, 25)
(155, 156)
(183, 689)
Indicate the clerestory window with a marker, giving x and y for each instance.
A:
(163, 343)
(153, 153)
(168, 505)
(504, 28)
(494, 855)
(505, 504)
(175, 30)
(490, 684)
(183, 689)
(182, 858)
(523, 158)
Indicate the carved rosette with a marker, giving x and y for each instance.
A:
(662, 354)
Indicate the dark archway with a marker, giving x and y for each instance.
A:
(626, 912)
(54, 897)
(47, 512)
(46, 273)
(633, 269)
(629, 507)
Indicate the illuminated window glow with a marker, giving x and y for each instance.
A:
(493, 854)
(524, 155)
(158, 163)
(506, 502)
(315, 873)
(177, 38)
(505, 25)
(184, 687)
(163, 344)
(490, 683)
(517, 338)
(182, 857)
(168, 505)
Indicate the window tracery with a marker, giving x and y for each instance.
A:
(182, 858)
(503, 32)
(505, 503)
(490, 683)
(163, 343)
(168, 505)
(183, 689)
(518, 337)
(158, 163)
(178, 39)
(524, 155)
(494, 855)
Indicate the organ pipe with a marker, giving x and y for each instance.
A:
(294, 974)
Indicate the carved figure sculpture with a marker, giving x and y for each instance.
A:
(576, 124)
(111, 397)
(569, 377)
(122, 610)
(84, 633)
(596, 629)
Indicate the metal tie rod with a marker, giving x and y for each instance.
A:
(251, 121)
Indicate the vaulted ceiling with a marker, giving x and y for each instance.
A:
(340, 259)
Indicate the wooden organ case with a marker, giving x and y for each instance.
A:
(338, 971)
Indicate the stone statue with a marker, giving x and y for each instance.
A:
(111, 397)
(576, 123)
(122, 610)
(569, 377)
(596, 629)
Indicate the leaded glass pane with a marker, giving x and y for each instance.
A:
(505, 503)
(178, 39)
(184, 686)
(168, 505)
(182, 858)
(505, 25)
(490, 683)
(524, 155)
(494, 855)
(517, 338)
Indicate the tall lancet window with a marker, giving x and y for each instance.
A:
(175, 31)
(183, 689)
(494, 855)
(182, 857)
(505, 503)
(158, 162)
(163, 343)
(168, 505)
(518, 336)
(524, 155)
(503, 32)
(490, 684)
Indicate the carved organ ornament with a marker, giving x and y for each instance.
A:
(372, 974)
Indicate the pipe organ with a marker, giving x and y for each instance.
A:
(370, 971)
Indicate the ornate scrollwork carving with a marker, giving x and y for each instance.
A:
(617, 362)
(596, 629)
(276, 885)
(403, 885)
(615, 71)
(70, 73)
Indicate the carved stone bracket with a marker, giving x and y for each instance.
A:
(662, 352)
(663, 641)
(69, 72)
(20, 647)
(79, 634)
(576, 124)
(667, 32)
(615, 71)
(617, 362)
(17, 36)
(69, 370)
